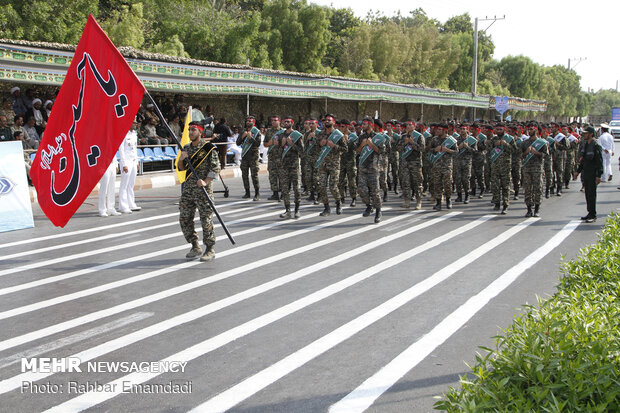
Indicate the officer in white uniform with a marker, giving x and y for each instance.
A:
(107, 192)
(607, 142)
(128, 153)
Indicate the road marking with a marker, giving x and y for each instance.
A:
(114, 248)
(91, 399)
(96, 229)
(117, 236)
(9, 384)
(365, 395)
(269, 375)
(75, 338)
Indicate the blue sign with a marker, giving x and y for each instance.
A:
(15, 207)
(501, 104)
(615, 113)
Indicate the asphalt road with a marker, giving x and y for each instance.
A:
(306, 315)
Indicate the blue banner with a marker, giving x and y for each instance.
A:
(15, 207)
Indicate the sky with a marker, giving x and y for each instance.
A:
(549, 32)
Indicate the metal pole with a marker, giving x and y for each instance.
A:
(247, 105)
(191, 167)
(474, 69)
(422, 112)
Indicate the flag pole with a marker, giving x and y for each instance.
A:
(191, 167)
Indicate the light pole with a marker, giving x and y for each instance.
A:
(474, 69)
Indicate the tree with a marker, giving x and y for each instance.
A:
(523, 76)
(125, 27)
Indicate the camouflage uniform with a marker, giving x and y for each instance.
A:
(312, 150)
(515, 168)
(348, 170)
(192, 198)
(384, 163)
(394, 160)
(500, 170)
(427, 167)
(462, 166)
(329, 170)
(289, 170)
(442, 171)
(368, 175)
(532, 173)
(274, 160)
(411, 178)
(249, 163)
(548, 168)
(559, 158)
(569, 167)
(478, 166)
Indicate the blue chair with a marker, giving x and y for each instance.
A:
(149, 153)
(32, 155)
(160, 154)
(169, 152)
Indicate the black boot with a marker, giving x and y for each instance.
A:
(448, 203)
(385, 195)
(247, 194)
(516, 194)
(342, 200)
(496, 207)
(504, 209)
(559, 190)
(338, 208)
(274, 197)
(256, 195)
(466, 201)
(311, 197)
(552, 190)
(547, 193)
(459, 197)
(367, 211)
(296, 210)
(378, 216)
(352, 203)
(473, 191)
(326, 211)
(537, 210)
(529, 211)
(437, 206)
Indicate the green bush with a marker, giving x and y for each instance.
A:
(562, 356)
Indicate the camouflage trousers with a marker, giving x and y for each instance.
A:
(290, 178)
(312, 174)
(368, 186)
(426, 173)
(569, 167)
(477, 173)
(411, 179)
(487, 173)
(385, 164)
(532, 186)
(462, 174)
(500, 183)
(249, 164)
(329, 173)
(274, 166)
(442, 180)
(548, 170)
(515, 173)
(348, 177)
(558, 168)
(303, 172)
(394, 163)
(190, 201)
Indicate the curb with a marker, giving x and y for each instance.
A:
(162, 180)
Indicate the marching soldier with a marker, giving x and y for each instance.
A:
(515, 167)
(561, 146)
(205, 160)
(478, 162)
(533, 152)
(369, 168)
(548, 160)
(348, 163)
(502, 146)
(274, 156)
(291, 148)
(249, 141)
(411, 148)
(394, 132)
(443, 149)
(311, 154)
(467, 146)
(328, 163)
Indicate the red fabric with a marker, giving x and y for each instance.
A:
(95, 107)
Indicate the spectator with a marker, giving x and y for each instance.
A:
(233, 147)
(183, 112)
(197, 115)
(19, 136)
(31, 134)
(17, 101)
(29, 98)
(7, 110)
(5, 131)
(175, 125)
(40, 116)
(18, 126)
(222, 130)
(167, 108)
(47, 106)
(149, 113)
(150, 131)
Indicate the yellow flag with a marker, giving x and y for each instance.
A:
(184, 141)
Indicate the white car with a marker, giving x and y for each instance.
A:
(614, 129)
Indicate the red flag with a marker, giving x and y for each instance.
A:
(93, 111)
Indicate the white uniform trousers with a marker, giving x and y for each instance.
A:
(106, 190)
(126, 197)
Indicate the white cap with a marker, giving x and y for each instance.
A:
(14, 89)
(604, 125)
(37, 100)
